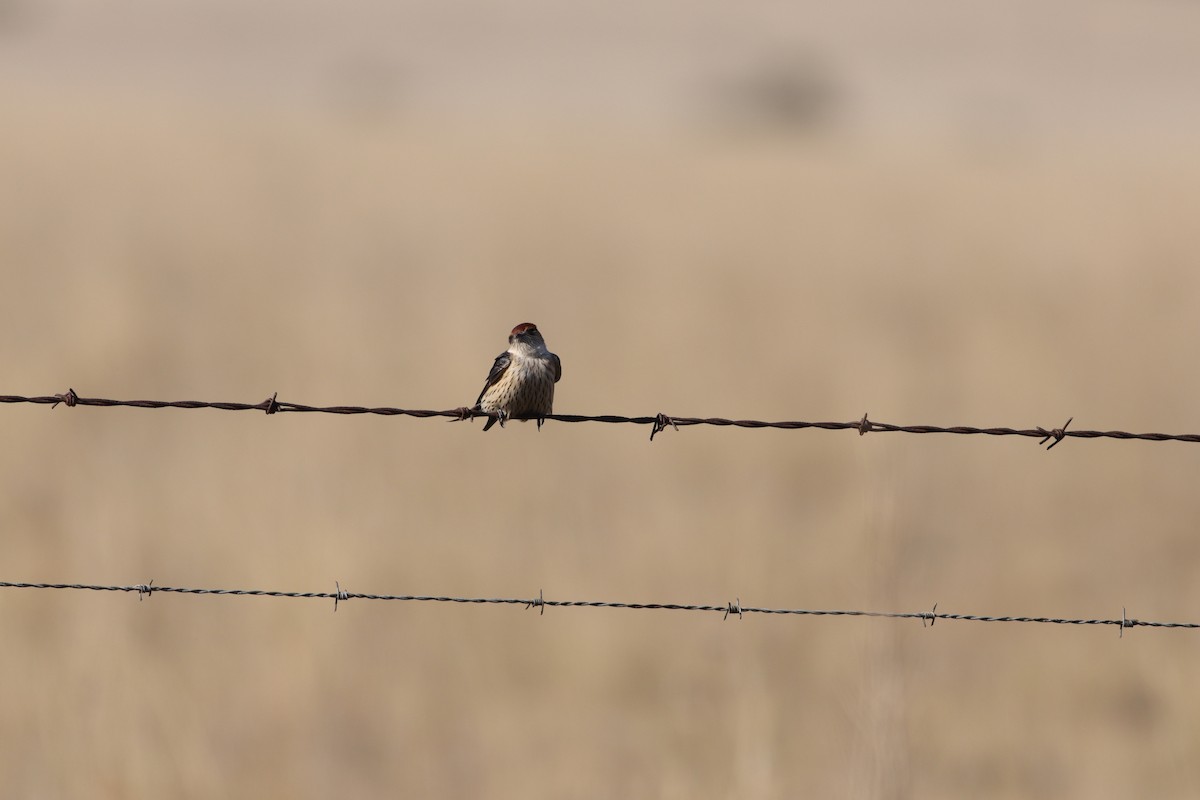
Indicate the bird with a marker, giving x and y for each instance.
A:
(521, 381)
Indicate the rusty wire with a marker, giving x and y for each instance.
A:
(658, 422)
(927, 618)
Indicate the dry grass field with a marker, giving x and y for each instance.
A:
(1000, 232)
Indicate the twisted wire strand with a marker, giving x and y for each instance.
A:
(658, 422)
(541, 603)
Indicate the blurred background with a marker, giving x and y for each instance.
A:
(933, 212)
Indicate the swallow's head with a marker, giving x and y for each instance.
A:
(526, 333)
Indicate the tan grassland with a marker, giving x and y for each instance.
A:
(185, 249)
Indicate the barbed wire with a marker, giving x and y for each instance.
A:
(927, 618)
(658, 422)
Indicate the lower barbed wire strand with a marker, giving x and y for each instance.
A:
(340, 595)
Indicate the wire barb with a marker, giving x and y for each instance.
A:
(70, 398)
(145, 590)
(865, 426)
(931, 616)
(271, 405)
(734, 608)
(339, 596)
(1056, 434)
(661, 421)
(539, 604)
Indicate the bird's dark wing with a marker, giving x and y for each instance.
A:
(498, 368)
(557, 367)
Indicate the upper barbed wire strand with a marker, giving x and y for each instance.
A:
(658, 422)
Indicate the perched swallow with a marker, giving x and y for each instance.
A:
(521, 382)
